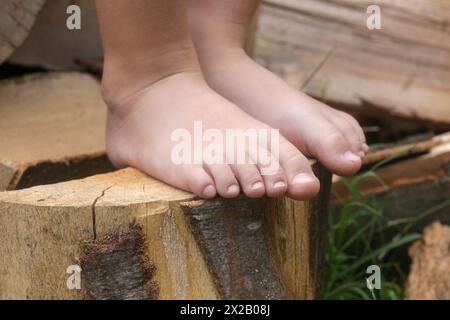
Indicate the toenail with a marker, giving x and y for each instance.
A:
(233, 189)
(350, 156)
(257, 185)
(304, 178)
(209, 191)
(362, 154)
(279, 184)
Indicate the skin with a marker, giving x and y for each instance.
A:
(154, 84)
(219, 30)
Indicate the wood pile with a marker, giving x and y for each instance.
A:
(62, 203)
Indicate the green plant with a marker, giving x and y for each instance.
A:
(360, 235)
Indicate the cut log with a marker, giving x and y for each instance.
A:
(53, 46)
(429, 278)
(137, 238)
(51, 129)
(16, 19)
(325, 48)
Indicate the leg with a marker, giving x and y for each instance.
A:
(219, 30)
(153, 86)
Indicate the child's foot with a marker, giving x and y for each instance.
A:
(219, 31)
(331, 136)
(141, 121)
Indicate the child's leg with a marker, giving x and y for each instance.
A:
(153, 86)
(219, 30)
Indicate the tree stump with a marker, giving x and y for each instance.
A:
(17, 17)
(51, 129)
(136, 238)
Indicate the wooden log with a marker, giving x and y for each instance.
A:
(325, 48)
(137, 238)
(409, 147)
(429, 278)
(53, 46)
(51, 129)
(16, 19)
(432, 165)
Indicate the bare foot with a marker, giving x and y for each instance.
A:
(140, 126)
(333, 137)
(154, 89)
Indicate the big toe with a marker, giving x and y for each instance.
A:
(302, 182)
(334, 151)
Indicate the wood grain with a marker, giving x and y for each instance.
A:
(429, 278)
(51, 129)
(16, 20)
(324, 48)
(177, 254)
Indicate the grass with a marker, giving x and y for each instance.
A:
(361, 235)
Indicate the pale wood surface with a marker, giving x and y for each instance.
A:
(297, 231)
(325, 48)
(16, 19)
(429, 278)
(47, 228)
(49, 118)
(407, 149)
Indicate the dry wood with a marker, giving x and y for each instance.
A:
(136, 237)
(429, 277)
(325, 48)
(406, 149)
(51, 129)
(16, 19)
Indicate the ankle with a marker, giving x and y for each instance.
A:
(217, 59)
(125, 76)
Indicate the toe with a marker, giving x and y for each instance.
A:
(275, 184)
(353, 131)
(302, 183)
(226, 184)
(348, 132)
(250, 179)
(275, 181)
(198, 181)
(334, 151)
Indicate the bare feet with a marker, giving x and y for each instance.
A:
(331, 136)
(140, 126)
(153, 86)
